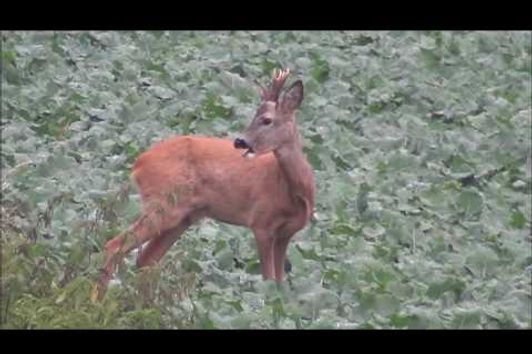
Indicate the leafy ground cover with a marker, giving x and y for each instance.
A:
(420, 143)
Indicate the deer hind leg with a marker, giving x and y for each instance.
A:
(153, 223)
(156, 248)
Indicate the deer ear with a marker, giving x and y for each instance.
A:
(293, 97)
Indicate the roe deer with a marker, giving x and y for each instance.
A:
(186, 178)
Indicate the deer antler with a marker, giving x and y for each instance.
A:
(278, 79)
(279, 74)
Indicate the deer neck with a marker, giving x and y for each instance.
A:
(297, 172)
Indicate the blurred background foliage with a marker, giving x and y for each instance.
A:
(420, 142)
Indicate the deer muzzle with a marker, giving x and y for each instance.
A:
(242, 144)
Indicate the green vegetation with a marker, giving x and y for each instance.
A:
(420, 142)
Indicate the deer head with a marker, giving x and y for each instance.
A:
(274, 123)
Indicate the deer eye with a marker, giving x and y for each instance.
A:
(266, 121)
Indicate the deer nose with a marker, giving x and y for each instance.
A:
(240, 144)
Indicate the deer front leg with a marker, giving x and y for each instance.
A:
(279, 256)
(265, 246)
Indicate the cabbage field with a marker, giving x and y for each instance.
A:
(420, 143)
